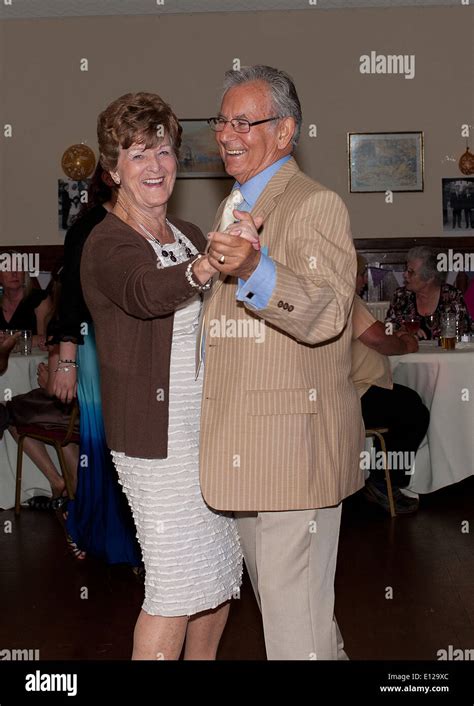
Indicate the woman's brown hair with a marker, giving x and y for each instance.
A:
(142, 118)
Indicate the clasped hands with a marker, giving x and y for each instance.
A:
(240, 254)
(410, 340)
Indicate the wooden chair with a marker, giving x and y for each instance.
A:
(52, 437)
(378, 433)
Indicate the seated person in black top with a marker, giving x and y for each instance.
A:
(7, 344)
(22, 306)
(39, 406)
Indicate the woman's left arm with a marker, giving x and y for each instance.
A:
(53, 360)
(42, 312)
(120, 268)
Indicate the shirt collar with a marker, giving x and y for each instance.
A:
(252, 188)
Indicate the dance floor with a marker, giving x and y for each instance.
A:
(84, 610)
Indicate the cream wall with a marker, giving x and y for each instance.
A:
(51, 104)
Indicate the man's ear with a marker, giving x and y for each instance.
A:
(286, 130)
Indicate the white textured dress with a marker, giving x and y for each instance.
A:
(192, 554)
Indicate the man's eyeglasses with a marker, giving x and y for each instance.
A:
(238, 124)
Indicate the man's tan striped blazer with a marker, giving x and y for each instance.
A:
(281, 427)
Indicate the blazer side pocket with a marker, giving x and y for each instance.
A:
(272, 402)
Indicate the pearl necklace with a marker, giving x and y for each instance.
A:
(166, 253)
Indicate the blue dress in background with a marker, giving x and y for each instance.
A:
(99, 519)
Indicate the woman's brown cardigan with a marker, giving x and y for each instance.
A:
(132, 303)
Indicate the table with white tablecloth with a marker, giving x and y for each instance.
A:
(19, 378)
(445, 382)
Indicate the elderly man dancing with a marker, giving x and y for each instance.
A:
(281, 427)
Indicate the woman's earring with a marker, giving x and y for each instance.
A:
(116, 178)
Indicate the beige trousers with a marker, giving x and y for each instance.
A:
(291, 558)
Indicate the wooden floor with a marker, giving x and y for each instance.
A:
(85, 610)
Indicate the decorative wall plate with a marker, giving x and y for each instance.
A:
(78, 162)
(466, 162)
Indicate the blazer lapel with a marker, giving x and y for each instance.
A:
(269, 197)
(218, 216)
(265, 204)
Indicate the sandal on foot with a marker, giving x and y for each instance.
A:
(139, 572)
(77, 553)
(58, 503)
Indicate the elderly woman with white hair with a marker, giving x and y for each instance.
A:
(425, 295)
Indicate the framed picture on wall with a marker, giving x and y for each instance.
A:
(385, 161)
(458, 205)
(199, 154)
(72, 195)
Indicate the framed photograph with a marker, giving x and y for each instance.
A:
(458, 205)
(71, 196)
(385, 161)
(199, 154)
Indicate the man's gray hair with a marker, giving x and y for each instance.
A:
(429, 266)
(283, 95)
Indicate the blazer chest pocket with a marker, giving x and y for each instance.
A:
(269, 402)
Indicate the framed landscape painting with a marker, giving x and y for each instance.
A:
(385, 161)
(199, 154)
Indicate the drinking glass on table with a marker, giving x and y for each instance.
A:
(432, 323)
(448, 330)
(412, 324)
(25, 342)
(460, 326)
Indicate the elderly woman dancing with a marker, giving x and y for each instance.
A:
(143, 278)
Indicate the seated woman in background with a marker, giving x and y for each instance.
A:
(22, 306)
(426, 295)
(39, 406)
(6, 346)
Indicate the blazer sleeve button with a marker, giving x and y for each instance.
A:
(280, 304)
(285, 305)
(291, 307)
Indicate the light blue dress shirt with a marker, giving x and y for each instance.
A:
(258, 289)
